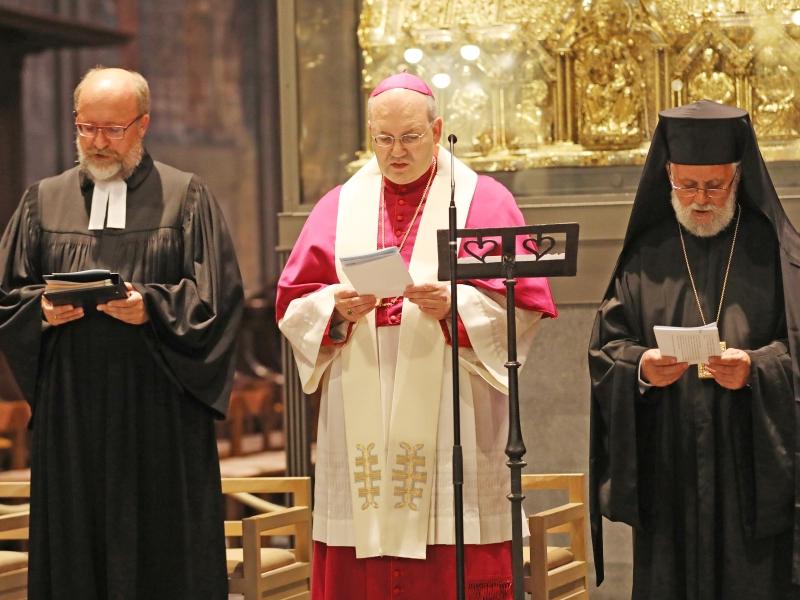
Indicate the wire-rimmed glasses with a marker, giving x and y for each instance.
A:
(384, 140)
(690, 193)
(112, 132)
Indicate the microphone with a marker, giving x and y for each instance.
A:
(458, 459)
(452, 139)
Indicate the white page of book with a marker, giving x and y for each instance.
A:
(688, 344)
(381, 273)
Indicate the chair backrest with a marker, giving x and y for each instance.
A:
(572, 483)
(258, 581)
(9, 390)
(17, 492)
(569, 578)
(14, 520)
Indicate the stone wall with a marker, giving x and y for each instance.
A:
(210, 65)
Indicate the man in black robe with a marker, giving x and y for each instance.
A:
(701, 468)
(125, 496)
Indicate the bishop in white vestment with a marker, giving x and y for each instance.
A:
(383, 515)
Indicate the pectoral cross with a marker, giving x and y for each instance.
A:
(702, 368)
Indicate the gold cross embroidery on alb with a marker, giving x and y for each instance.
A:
(409, 475)
(368, 476)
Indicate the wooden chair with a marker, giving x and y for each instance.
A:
(15, 413)
(557, 572)
(263, 573)
(254, 405)
(255, 416)
(254, 571)
(14, 526)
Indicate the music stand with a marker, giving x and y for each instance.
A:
(548, 257)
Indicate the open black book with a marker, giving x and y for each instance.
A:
(84, 288)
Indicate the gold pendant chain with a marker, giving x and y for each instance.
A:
(416, 212)
(727, 269)
(394, 300)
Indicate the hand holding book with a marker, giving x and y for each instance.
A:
(130, 310)
(84, 288)
(61, 314)
(66, 295)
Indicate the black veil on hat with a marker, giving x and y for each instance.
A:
(706, 133)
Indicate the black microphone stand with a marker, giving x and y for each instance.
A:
(458, 460)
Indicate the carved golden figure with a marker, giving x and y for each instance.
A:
(546, 18)
(368, 476)
(424, 14)
(469, 113)
(710, 83)
(613, 96)
(531, 126)
(409, 475)
(774, 116)
(371, 15)
(474, 12)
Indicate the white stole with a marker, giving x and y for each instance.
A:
(392, 470)
(110, 196)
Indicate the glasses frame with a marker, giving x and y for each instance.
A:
(105, 129)
(709, 192)
(417, 137)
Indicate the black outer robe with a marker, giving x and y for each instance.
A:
(125, 497)
(705, 476)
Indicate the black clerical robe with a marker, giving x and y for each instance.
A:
(126, 500)
(704, 475)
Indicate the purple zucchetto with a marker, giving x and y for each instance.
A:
(402, 80)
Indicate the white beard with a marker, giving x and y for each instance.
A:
(118, 168)
(721, 217)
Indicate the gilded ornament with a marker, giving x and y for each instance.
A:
(581, 82)
(711, 84)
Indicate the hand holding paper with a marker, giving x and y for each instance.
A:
(732, 369)
(382, 273)
(693, 345)
(432, 298)
(660, 370)
(351, 306)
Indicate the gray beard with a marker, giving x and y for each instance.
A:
(119, 169)
(721, 216)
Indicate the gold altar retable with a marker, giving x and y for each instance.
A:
(540, 83)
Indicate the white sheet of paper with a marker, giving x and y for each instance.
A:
(688, 344)
(381, 273)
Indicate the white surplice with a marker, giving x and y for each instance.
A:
(484, 408)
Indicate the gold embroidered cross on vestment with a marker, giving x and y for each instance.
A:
(409, 475)
(367, 476)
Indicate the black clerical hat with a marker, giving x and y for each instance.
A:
(704, 133)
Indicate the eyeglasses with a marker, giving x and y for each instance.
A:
(407, 139)
(112, 132)
(690, 193)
